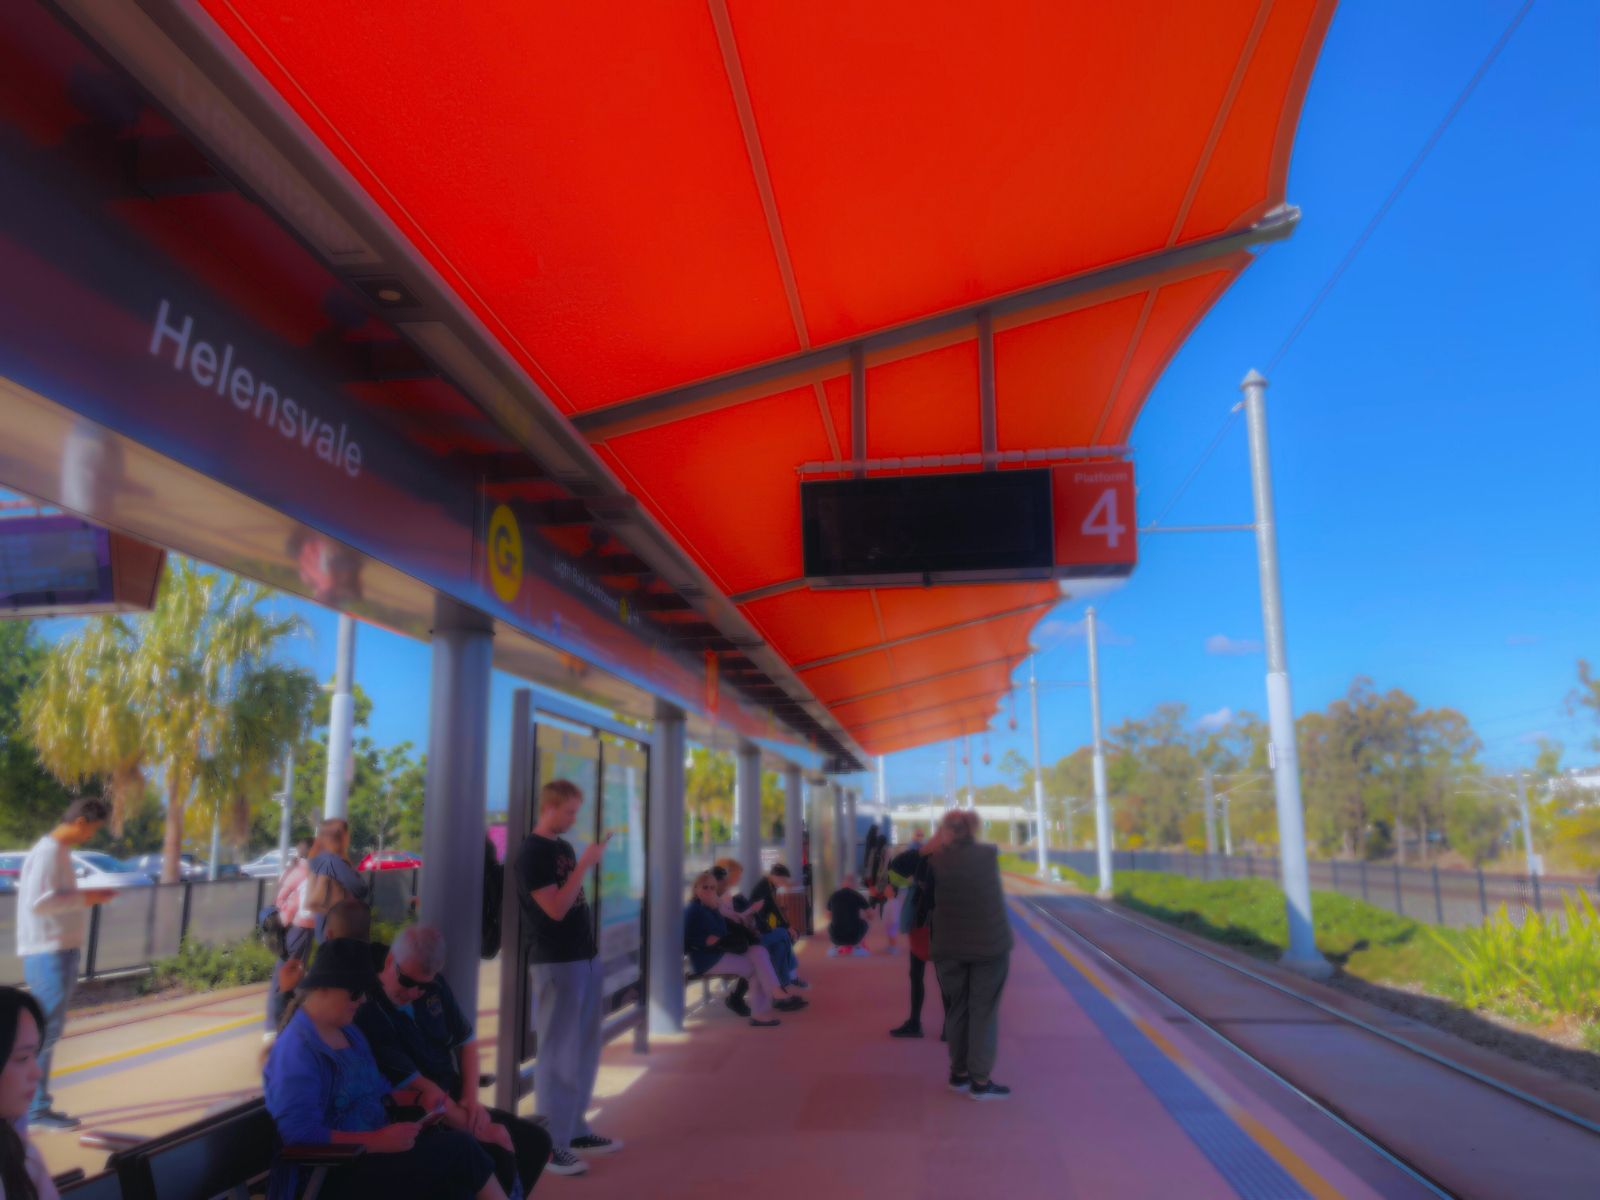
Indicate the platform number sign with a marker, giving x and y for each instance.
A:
(1095, 530)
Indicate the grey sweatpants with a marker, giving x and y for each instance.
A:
(566, 1017)
(972, 1011)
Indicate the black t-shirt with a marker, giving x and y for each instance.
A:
(764, 907)
(845, 907)
(543, 862)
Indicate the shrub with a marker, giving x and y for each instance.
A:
(198, 967)
(1550, 965)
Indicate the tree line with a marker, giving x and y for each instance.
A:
(1382, 777)
(183, 717)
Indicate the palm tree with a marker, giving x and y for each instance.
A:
(190, 687)
(81, 717)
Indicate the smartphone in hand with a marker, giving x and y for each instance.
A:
(432, 1118)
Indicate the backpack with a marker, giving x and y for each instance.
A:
(273, 933)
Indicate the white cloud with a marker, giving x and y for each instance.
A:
(1221, 643)
(1212, 722)
(1534, 738)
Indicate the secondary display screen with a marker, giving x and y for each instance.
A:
(992, 523)
(50, 561)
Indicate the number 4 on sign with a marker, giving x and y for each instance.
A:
(1102, 519)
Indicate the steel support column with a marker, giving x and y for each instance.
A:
(664, 911)
(1301, 953)
(794, 815)
(851, 865)
(453, 801)
(1038, 775)
(747, 798)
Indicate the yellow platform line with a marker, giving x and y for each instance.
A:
(151, 1047)
(1301, 1171)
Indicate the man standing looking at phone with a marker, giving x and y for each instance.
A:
(558, 927)
(52, 921)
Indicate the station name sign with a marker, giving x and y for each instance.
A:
(175, 341)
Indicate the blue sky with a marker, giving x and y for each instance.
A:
(1434, 428)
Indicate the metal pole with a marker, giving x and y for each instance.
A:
(1301, 953)
(1527, 829)
(851, 841)
(216, 841)
(341, 724)
(883, 800)
(1038, 769)
(1102, 807)
(747, 800)
(1211, 813)
(286, 813)
(664, 904)
(966, 753)
(1227, 825)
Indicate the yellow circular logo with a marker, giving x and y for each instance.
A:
(505, 554)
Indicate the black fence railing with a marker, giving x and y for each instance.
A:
(1437, 895)
(142, 924)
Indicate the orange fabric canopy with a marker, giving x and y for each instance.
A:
(684, 219)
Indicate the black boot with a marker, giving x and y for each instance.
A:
(909, 1030)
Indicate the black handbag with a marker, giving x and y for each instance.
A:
(737, 940)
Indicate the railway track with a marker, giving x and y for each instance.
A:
(1455, 1130)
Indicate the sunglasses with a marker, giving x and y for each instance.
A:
(406, 981)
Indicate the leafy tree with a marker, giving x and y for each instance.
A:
(31, 798)
(708, 795)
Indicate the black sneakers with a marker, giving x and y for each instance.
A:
(908, 1030)
(989, 1091)
(789, 1004)
(593, 1143)
(737, 1005)
(960, 1083)
(768, 1024)
(565, 1162)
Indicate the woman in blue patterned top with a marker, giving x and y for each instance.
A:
(323, 1086)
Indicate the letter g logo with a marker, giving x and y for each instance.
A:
(505, 554)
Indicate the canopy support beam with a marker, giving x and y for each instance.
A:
(886, 345)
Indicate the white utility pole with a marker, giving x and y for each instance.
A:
(1211, 812)
(1038, 771)
(1102, 806)
(1301, 953)
(341, 724)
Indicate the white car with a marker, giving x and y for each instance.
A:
(96, 869)
(189, 867)
(268, 866)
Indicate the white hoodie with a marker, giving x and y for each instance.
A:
(52, 914)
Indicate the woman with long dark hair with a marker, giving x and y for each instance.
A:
(22, 1171)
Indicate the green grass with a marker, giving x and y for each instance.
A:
(1368, 942)
(1027, 865)
(1543, 967)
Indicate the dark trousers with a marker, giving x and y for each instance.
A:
(972, 1019)
(445, 1164)
(919, 967)
(530, 1152)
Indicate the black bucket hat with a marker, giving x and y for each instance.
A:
(341, 963)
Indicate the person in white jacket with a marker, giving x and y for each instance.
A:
(52, 922)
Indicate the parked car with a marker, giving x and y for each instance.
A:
(11, 869)
(390, 860)
(97, 869)
(189, 867)
(268, 866)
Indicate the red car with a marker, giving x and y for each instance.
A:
(390, 860)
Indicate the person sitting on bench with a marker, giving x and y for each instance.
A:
(714, 944)
(323, 1086)
(773, 927)
(422, 1041)
(847, 923)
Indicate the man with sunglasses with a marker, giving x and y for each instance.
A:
(422, 1041)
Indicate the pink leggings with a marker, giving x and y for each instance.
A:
(756, 966)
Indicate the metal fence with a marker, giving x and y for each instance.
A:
(1439, 896)
(142, 924)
